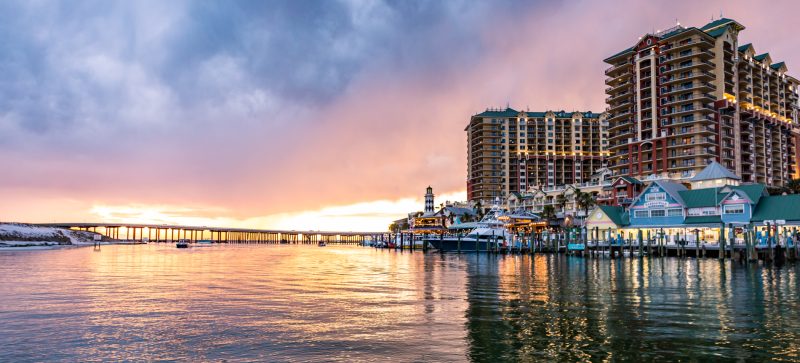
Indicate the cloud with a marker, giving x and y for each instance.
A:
(255, 108)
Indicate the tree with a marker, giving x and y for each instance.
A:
(561, 200)
(548, 212)
(793, 186)
(778, 190)
(479, 210)
(393, 228)
(585, 201)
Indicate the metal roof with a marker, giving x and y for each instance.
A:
(714, 171)
(783, 207)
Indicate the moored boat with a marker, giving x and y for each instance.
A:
(489, 235)
(182, 243)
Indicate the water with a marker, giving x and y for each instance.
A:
(305, 303)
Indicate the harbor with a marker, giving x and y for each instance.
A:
(712, 215)
(399, 181)
(345, 303)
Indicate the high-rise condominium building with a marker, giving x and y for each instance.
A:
(510, 151)
(681, 98)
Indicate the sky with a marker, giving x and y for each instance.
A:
(308, 115)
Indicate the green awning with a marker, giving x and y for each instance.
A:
(703, 220)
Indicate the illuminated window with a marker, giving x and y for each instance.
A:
(734, 209)
(674, 212)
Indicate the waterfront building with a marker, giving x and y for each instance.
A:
(510, 151)
(722, 207)
(621, 192)
(431, 221)
(683, 97)
(562, 197)
(427, 221)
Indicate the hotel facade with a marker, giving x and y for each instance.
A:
(681, 98)
(510, 151)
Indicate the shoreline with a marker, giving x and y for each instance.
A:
(21, 236)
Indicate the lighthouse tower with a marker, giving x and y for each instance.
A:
(429, 201)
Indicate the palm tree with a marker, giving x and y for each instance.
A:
(561, 200)
(479, 210)
(548, 213)
(585, 201)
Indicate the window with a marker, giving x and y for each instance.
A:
(658, 213)
(674, 212)
(655, 197)
(640, 214)
(734, 209)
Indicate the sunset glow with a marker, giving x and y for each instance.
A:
(337, 119)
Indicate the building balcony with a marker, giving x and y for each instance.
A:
(620, 106)
(619, 97)
(615, 69)
(679, 112)
(613, 89)
(691, 98)
(696, 85)
(697, 74)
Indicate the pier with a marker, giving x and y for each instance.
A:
(772, 249)
(173, 233)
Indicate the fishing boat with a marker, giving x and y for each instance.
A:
(182, 243)
(489, 235)
(322, 244)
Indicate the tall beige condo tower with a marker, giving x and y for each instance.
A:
(683, 97)
(510, 151)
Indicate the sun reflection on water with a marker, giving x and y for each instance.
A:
(155, 302)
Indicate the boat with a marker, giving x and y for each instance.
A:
(322, 244)
(182, 243)
(489, 235)
(204, 242)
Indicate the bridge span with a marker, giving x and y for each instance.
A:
(172, 233)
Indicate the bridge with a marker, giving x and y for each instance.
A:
(172, 233)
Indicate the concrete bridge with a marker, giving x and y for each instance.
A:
(172, 233)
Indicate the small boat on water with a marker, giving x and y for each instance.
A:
(204, 242)
(322, 244)
(182, 243)
(489, 235)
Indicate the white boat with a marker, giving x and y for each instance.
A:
(490, 235)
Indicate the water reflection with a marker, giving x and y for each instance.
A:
(279, 303)
(569, 308)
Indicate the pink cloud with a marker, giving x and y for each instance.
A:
(388, 135)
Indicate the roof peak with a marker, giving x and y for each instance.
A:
(722, 22)
(713, 171)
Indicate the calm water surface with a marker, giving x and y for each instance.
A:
(305, 303)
